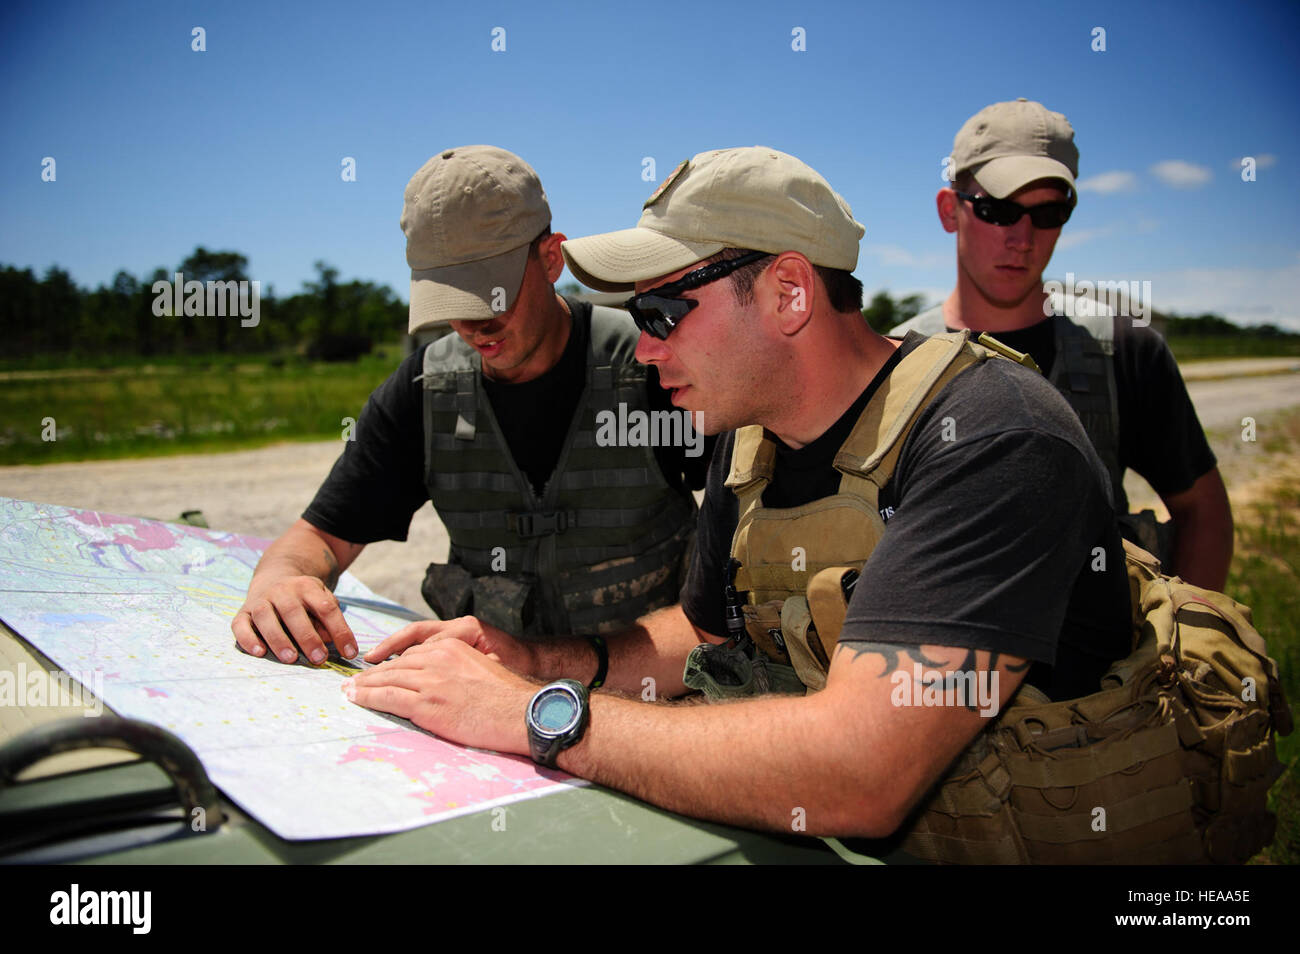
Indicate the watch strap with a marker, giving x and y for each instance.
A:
(602, 661)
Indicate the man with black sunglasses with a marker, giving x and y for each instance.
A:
(874, 510)
(556, 528)
(1014, 166)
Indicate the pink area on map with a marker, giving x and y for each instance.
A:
(231, 539)
(90, 517)
(154, 535)
(451, 776)
(154, 693)
(149, 534)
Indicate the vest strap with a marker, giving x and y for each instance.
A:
(466, 404)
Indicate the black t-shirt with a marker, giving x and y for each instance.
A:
(1160, 436)
(989, 537)
(377, 483)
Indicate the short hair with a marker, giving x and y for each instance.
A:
(536, 243)
(843, 290)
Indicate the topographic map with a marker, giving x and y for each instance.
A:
(148, 605)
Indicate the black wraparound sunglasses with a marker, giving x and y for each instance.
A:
(1049, 215)
(657, 311)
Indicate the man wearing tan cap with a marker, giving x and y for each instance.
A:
(932, 466)
(1014, 166)
(556, 527)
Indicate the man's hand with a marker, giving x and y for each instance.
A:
(299, 610)
(452, 690)
(494, 643)
(290, 599)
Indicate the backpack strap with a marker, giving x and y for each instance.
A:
(867, 459)
(753, 456)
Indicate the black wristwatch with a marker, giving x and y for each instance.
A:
(556, 718)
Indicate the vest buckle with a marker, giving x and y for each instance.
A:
(541, 524)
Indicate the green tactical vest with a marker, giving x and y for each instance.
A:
(1084, 373)
(607, 540)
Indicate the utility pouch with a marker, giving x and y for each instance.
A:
(507, 603)
(829, 605)
(763, 623)
(726, 672)
(800, 636)
(448, 589)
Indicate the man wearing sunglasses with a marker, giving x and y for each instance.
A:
(741, 272)
(1014, 166)
(553, 530)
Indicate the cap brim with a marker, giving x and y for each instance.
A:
(1001, 177)
(471, 291)
(615, 261)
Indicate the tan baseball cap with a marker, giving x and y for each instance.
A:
(1006, 146)
(469, 216)
(748, 197)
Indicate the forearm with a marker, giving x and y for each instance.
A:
(776, 763)
(298, 552)
(1203, 553)
(645, 661)
(1203, 542)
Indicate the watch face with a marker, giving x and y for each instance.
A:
(555, 711)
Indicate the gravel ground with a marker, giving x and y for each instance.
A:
(262, 491)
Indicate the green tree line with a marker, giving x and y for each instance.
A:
(329, 318)
(1193, 335)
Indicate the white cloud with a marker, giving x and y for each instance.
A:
(1246, 296)
(1265, 160)
(1180, 174)
(1070, 239)
(895, 256)
(1107, 183)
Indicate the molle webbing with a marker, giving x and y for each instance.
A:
(605, 540)
(1084, 373)
(1169, 763)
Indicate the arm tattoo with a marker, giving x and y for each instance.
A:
(948, 678)
(891, 652)
(332, 567)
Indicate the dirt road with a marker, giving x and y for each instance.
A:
(263, 491)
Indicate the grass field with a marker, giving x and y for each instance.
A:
(180, 406)
(1190, 347)
(1266, 577)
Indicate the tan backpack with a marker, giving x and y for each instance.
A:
(1170, 762)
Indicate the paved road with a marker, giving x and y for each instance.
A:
(1224, 402)
(263, 491)
(1237, 367)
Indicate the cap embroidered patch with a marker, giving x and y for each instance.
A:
(663, 186)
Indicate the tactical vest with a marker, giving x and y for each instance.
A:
(607, 540)
(1084, 373)
(832, 534)
(1177, 748)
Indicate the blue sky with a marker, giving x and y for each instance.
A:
(159, 148)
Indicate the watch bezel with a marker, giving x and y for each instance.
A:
(567, 687)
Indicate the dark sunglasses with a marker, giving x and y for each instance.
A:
(1049, 215)
(657, 311)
